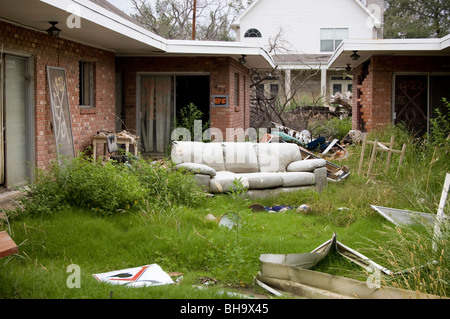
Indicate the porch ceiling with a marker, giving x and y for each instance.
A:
(99, 27)
(392, 47)
(255, 57)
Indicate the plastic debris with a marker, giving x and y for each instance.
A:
(144, 276)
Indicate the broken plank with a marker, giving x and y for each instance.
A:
(330, 146)
(7, 245)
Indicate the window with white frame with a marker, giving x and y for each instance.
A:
(330, 38)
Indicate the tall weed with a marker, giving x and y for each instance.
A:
(414, 262)
(109, 187)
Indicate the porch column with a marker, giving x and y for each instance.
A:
(287, 83)
(323, 82)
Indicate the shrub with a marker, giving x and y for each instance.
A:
(440, 127)
(333, 128)
(165, 186)
(109, 187)
(187, 117)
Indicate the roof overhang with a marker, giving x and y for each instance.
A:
(392, 47)
(85, 22)
(255, 56)
(96, 26)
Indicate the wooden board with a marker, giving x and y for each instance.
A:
(7, 245)
(62, 125)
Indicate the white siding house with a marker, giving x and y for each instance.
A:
(308, 32)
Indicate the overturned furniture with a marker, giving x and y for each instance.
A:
(256, 167)
(380, 147)
(292, 273)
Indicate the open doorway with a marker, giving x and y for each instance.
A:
(193, 89)
(161, 97)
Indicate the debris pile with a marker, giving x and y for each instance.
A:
(295, 274)
(328, 150)
(343, 99)
(124, 134)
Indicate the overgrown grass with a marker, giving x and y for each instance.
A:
(157, 216)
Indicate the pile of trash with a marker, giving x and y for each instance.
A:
(309, 147)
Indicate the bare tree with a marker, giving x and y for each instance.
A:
(277, 95)
(173, 19)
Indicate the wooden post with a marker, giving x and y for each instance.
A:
(372, 158)
(401, 158)
(391, 147)
(440, 212)
(362, 154)
(194, 18)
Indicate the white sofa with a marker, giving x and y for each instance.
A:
(256, 167)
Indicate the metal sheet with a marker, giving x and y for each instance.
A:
(404, 217)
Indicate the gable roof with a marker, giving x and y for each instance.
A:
(377, 23)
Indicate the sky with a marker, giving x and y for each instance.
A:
(124, 5)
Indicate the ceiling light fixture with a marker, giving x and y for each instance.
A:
(53, 31)
(242, 60)
(348, 68)
(355, 56)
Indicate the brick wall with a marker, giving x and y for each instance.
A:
(46, 51)
(222, 72)
(373, 81)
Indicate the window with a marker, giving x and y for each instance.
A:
(337, 88)
(331, 38)
(273, 91)
(86, 77)
(252, 33)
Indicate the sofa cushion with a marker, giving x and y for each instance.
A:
(240, 157)
(275, 157)
(308, 165)
(197, 168)
(210, 154)
(226, 181)
(293, 179)
(263, 180)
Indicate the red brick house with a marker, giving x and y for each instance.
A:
(396, 80)
(110, 65)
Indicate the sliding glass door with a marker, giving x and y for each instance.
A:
(15, 152)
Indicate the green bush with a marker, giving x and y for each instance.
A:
(109, 187)
(165, 186)
(333, 128)
(187, 117)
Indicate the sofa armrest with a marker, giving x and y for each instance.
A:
(306, 165)
(197, 168)
(321, 178)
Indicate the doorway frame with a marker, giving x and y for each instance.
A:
(428, 75)
(174, 74)
(29, 111)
